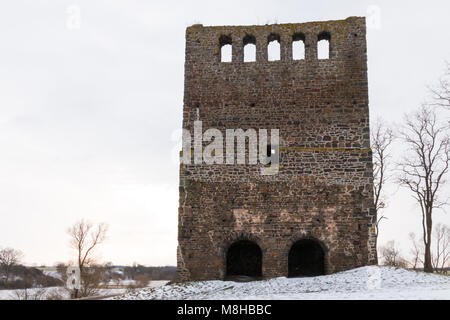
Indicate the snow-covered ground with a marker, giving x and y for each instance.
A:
(45, 293)
(52, 273)
(362, 283)
(42, 293)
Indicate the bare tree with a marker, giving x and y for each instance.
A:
(9, 257)
(61, 269)
(440, 248)
(29, 294)
(382, 138)
(441, 254)
(416, 251)
(84, 239)
(424, 166)
(55, 294)
(391, 255)
(441, 92)
(92, 280)
(142, 280)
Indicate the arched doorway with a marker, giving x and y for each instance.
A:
(244, 258)
(306, 259)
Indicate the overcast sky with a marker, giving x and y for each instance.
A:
(89, 109)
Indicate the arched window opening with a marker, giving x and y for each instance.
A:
(249, 48)
(298, 46)
(306, 259)
(273, 48)
(226, 54)
(323, 45)
(244, 258)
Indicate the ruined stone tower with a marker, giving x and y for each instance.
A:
(316, 215)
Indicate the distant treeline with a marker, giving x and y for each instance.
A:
(22, 277)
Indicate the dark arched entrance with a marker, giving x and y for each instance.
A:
(306, 259)
(244, 258)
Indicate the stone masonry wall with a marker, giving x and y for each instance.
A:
(324, 186)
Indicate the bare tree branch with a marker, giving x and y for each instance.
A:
(9, 258)
(424, 166)
(391, 255)
(416, 251)
(441, 254)
(84, 239)
(382, 138)
(440, 93)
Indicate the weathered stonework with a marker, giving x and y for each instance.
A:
(323, 190)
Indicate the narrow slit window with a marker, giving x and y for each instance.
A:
(273, 48)
(323, 46)
(298, 46)
(226, 49)
(269, 150)
(249, 48)
(269, 153)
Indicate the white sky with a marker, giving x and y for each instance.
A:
(87, 115)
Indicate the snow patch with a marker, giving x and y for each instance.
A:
(372, 282)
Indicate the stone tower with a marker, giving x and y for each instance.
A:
(316, 215)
